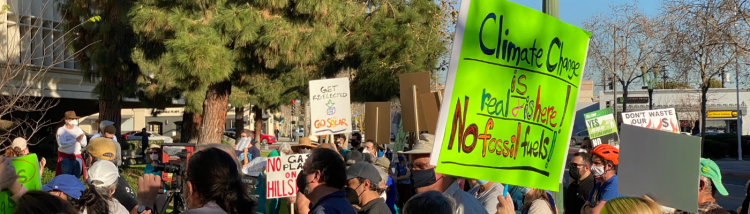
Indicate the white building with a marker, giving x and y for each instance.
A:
(721, 107)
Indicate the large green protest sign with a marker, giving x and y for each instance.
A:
(602, 127)
(512, 85)
(27, 169)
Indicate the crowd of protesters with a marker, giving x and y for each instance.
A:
(366, 179)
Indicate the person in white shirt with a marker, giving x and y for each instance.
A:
(103, 177)
(70, 140)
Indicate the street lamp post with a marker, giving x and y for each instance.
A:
(650, 82)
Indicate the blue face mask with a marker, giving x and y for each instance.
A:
(482, 182)
(380, 154)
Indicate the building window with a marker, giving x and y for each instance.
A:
(155, 127)
(178, 126)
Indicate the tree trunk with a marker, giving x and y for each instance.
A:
(258, 122)
(624, 98)
(239, 121)
(191, 123)
(110, 104)
(215, 112)
(704, 90)
(111, 110)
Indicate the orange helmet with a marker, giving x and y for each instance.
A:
(608, 152)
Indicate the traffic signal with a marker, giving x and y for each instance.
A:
(293, 108)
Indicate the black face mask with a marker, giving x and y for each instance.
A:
(351, 196)
(573, 172)
(423, 178)
(301, 183)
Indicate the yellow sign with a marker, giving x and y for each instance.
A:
(715, 114)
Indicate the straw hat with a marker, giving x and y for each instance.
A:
(305, 142)
(424, 146)
(70, 115)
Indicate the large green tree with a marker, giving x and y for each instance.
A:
(207, 50)
(386, 38)
(105, 48)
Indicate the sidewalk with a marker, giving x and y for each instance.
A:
(734, 168)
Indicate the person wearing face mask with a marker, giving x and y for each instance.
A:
(371, 148)
(365, 180)
(425, 178)
(604, 167)
(154, 153)
(486, 192)
(387, 185)
(70, 140)
(214, 185)
(341, 144)
(321, 181)
(582, 182)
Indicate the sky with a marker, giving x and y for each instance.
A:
(574, 12)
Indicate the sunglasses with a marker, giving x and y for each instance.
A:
(575, 165)
(585, 147)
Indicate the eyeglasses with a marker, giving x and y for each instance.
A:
(585, 147)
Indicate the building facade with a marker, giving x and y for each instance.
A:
(722, 115)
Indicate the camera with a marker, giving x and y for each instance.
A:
(173, 167)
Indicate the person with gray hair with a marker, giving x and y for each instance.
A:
(709, 185)
(103, 175)
(430, 202)
(102, 149)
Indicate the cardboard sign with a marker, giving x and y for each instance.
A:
(660, 119)
(378, 122)
(406, 82)
(602, 127)
(401, 138)
(664, 166)
(281, 180)
(430, 107)
(510, 95)
(330, 108)
(27, 168)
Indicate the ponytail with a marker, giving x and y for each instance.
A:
(91, 201)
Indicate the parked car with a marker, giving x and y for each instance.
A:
(708, 133)
(125, 135)
(578, 137)
(151, 136)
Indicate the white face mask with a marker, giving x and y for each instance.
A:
(73, 123)
(155, 157)
(365, 151)
(384, 196)
(597, 170)
(582, 150)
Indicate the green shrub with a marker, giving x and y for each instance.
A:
(714, 149)
(136, 144)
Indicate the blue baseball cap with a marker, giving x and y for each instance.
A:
(68, 184)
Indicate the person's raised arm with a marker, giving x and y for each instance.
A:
(83, 141)
(406, 176)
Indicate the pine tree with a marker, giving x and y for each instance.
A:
(208, 50)
(106, 48)
(388, 38)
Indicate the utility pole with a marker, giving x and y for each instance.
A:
(550, 7)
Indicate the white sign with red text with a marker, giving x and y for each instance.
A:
(659, 119)
(281, 180)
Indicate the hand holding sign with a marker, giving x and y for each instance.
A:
(8, 174)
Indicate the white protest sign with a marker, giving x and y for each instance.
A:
(660, 119)
(330, 109)
(255, 167)
(281, 180)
